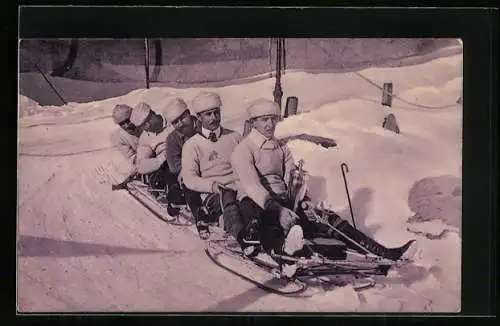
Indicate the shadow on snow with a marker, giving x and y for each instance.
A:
(31, 246)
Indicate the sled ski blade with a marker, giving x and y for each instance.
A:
(140, 192)
(225, 254)
(321, 266)
(337, 273)
(359, 282)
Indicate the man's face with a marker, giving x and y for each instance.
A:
(266, 125)
(127, 126)
(153, 123)
(210, 119)
(184, 124)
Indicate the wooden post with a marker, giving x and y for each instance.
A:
(278, 92)
(146, 61)
(292, 103)
(387, 95)
(390, 122)
(158, 60)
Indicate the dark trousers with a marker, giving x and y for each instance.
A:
(162, 178)
(270, 231)
(312, 229)
(229, 210)
(193, 200)
(231, 213)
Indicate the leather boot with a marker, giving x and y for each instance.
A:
(368, 243)
(249, 239)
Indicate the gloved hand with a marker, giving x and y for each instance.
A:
(287, 217)
(132, 160)
(161, 147)
(161, 152)
(161, 157)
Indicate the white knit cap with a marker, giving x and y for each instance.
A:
(205, 101)
(140, 113)
(174, 109)
(263, 107)
(121, 112)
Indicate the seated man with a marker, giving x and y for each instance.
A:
(185, 126)
(125, 139)
(206, 166)
(151, 157)
(262, 166)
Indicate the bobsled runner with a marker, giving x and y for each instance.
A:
(155, 201)
(326, 263)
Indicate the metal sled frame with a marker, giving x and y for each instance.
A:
(319, 265)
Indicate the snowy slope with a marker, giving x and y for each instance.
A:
(85, 248)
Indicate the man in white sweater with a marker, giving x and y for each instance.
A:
(262, 166)
(125, 139)
(151, 158)
(206, 166)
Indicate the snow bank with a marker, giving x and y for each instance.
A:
(434, 97)
(374, 155)
(28, 107)
(437, 198)
(435, 229)
(318, 90)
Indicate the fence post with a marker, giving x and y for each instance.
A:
(390, 122)
(292, 103)
(146, 61)
(278, 92)
(387, 94)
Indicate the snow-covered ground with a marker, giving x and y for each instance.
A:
(83, 247)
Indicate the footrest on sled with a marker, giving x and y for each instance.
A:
(170, 214)
(328, 247)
